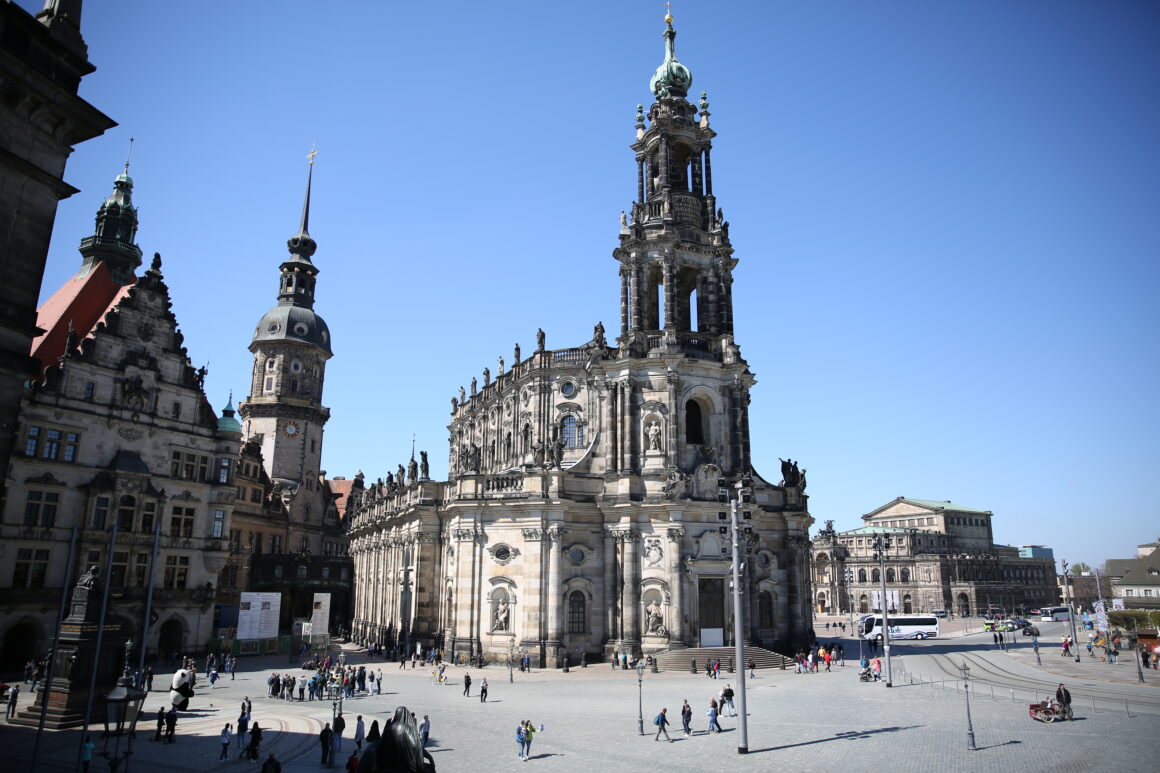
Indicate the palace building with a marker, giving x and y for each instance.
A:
(581, 513)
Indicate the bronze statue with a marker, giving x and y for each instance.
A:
(424, 468)
(516, 360)
(401, 476)
(540, 340)
(486, 376)
(598, 335)
(412, 471)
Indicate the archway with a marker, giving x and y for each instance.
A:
(170, 638)
(863, 604)
(822, 606)
(19, 646)
(964, 605)
(907, 607)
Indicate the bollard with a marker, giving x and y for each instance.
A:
(692, 665)
(731, 664)
(565, 662)
(1093, 704)
(783, 663)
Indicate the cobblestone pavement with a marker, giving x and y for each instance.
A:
(590, 717)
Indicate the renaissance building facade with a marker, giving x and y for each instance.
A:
(581, 515)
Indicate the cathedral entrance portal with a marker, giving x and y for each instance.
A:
(711, 610)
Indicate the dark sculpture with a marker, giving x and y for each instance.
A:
(390, 482)
(791, 476)
(463, 394)
(540, 340)
(412, 471)
(517, 356)
(399, 748)
(424, 468)
(486, 376)
(89, 578)
(558, 453)
(401, 477)
(474, 384)
(598, 334)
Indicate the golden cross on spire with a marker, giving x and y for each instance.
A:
(310, 156)
(668, 12)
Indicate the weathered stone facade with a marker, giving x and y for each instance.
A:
(940, 556)
(581, 515)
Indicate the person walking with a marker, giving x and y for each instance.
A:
(149, 679)
(359, 733)
(483, 690)
(13, 695)
(1063, 697)
(686, 718)
(467, 684)
(243, 726)
(213, 677)
(326, 742)
(171, 725)
(424, 731)
(160, 723)
(529, 734)
(338, 727)
(521, 741)
(752, 666)
(255, 742)
(727, 697)
(379, 683)
(877, 669)
(87, 753)
(662, 723)
(271, 765)
(714, 725)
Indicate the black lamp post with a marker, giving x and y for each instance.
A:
(640, 696)
(511, 662)
(965, 670)
(122, 710)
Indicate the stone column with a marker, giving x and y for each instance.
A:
(698, 186)
(670, 277)
(609, 586)
(676, 584)
(640, 181)
(554, 544)
(623, 300)
(672, 431)
(533, 591)
(630, 598)
(612, 459)
(708, 174)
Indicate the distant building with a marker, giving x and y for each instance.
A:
(1036, 551)
(1137, 580)
(939, 556)
(1084, 589)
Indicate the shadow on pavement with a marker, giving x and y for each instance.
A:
(850, 736)
(997, 745)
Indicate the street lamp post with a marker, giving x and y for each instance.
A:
(122, 710)
(965, 670)
(742, 492)
(640, 696)
(511, 662)
(1071, 610)
(881, 544)
(850, 589)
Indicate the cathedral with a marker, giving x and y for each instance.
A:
(581, 514)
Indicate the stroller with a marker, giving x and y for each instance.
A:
(866, 675)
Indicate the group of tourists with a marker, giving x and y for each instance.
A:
(818, 657)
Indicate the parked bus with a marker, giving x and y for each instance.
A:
(901, 627)
(1054, 614)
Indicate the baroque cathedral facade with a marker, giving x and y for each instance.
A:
(581, 513)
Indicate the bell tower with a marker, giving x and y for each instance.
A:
(676, 281)
(291, 345)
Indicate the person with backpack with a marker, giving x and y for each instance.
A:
(521, 742)
(662, 723)
(687, 718)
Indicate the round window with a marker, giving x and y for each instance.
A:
(503, 553)
(274, 327)
(576, 556)
(296, 366)
(300, 329)
(568, 388)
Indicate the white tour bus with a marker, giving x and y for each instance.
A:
(901, 627)
(1054, 614)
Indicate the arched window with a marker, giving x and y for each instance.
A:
(890, 574)
(861, 575)
(125, 509)
(904, 575)
(302, 571)
(694, 424)
(863, 604)
(572, 432)
(507, 446)
(577, 617)
(875, 576)
(765, 610)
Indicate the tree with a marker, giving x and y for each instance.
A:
(1080, 568)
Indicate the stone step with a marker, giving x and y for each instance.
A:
(679, 660)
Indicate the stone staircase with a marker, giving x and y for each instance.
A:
(678, 660)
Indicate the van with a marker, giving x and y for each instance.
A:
(939, 613)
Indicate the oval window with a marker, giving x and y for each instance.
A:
(568, 388)
(301, 329)
(274, 327)
(503, 553)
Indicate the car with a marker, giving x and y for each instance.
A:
(939, 613)
(1031, 630)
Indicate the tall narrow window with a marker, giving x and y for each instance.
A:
(577, 619)
(223, 471)
(126, 509)
(31, 441)
(181, 522)
(219, 523)
(694, 424)
(52, 444)
(568, 431)
(176, 571)
(71, 443)
(90, 390)
(120, 569)
(40, 508)
(100, 512)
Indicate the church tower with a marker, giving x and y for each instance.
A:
(291, 345)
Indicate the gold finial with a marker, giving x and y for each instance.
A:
(128, 155)
(668, 12)
(310, 156)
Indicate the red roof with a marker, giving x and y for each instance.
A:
(82, 300)
(340, 487)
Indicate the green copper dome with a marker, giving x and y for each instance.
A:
(672, 79)
(227, 423)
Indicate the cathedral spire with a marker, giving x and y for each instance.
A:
(301, 245)
(671, 79)
(112, 242)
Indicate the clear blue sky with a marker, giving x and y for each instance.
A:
(946, 216)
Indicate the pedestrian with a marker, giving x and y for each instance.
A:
(727, 697)
(359, 733)
(1001, 641)
(826, 657)
(379, 683)
(529, 734)
(1063, 697)
(301, 689)
(686, 718)
(171, 725)
(662, 723)
(483, 690)
(995, 638)
(521, 742)
(467, 684)
(255, 742)
(271, 765)
(160, 723)
(149, 679)
(213, 677)
(752, 665)
(87, 753)
(352, 763)
(842, 653)
(424, 731)
(326, 741)
(338, 727)
(714, 725)
(243, 725)
(13, 694)
(225, 738)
